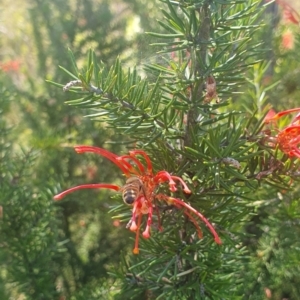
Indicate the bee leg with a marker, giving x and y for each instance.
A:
(129, 224)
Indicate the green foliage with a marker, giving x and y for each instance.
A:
(29, 227)
(273, 244)
(35, 226)
(273, 232)
(212, 145)
(138, 108)
(44, 130)
(197, 109)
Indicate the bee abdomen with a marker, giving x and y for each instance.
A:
(132, 190)
(129, 196)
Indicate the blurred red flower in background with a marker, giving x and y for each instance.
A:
(289, 13)
(288, 40)
(288, 138)
(10, 66)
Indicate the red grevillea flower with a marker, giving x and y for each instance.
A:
(140, 190)
(288, 138)
(288, 40)
(289, 13)
(10, 66)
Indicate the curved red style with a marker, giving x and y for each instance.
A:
(132, 166)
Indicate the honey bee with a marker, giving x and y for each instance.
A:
(132, 189)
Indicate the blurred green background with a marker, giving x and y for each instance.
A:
(38, 132)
